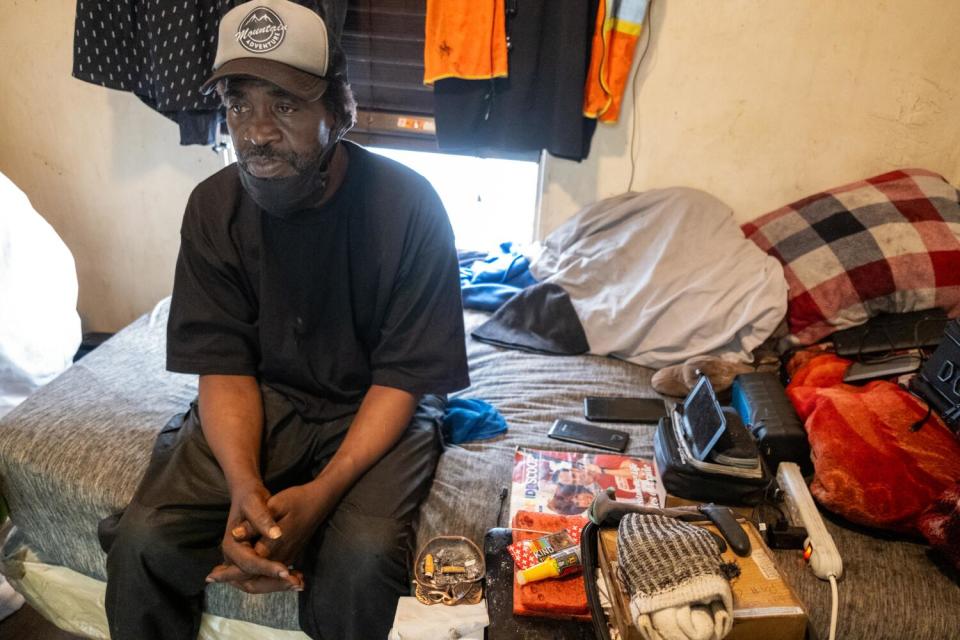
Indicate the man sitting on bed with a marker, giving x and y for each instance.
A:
(317, 296)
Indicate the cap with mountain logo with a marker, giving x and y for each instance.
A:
(273, 40)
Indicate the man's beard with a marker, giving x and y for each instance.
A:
(285, 196)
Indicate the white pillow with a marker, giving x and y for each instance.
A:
(39, 325)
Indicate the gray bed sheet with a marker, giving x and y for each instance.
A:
(74, 452)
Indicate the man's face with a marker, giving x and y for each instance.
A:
(275, 134)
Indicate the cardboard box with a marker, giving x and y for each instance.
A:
(764, 605)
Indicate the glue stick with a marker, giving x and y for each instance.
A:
(559, 564)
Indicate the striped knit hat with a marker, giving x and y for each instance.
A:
(676, 578)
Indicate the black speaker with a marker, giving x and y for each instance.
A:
(939, 380)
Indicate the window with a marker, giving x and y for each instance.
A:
(383, 41)
(488, 200)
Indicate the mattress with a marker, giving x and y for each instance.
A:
(75, 451)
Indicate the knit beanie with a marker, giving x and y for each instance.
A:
(678, 582)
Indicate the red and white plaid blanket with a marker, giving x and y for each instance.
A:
(887, 244)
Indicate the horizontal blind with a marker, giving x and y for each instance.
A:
(383, 42)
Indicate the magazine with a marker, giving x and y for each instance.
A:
(565, 482)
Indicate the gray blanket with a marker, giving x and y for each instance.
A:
(75, 451)
(665, 275)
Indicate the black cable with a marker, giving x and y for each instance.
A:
(504, 492)
(768, 500)
(588, 555)
(916, 336)
(916, 426)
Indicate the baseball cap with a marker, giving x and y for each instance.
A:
(274, 40)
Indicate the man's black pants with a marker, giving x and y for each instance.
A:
(161, 548)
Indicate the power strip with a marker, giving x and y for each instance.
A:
(819, 550)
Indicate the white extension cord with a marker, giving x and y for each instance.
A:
(818, 549)
(834, 605)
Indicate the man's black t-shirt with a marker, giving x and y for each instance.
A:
(362, 290)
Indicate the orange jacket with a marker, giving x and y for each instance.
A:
(618, 28)
(465, 39)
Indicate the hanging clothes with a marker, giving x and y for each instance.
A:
(465, 39)
(162, 51)
(618, 28)
(540, 105)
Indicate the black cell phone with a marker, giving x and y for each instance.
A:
(716, 432)
(648, 410)
(703, 419)
(588, 434)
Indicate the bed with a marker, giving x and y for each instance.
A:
(74, 452)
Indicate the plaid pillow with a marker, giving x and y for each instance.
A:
(890, 244)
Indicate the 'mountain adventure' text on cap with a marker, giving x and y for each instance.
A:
(273, 40)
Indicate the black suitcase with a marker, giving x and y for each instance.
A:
(763, 405)
(681, 478)
(939, 379)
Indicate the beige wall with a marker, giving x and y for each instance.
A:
(106, 171)
(761, 102)
(756, 101)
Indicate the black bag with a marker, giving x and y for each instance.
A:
(939, 380)
(684, 477)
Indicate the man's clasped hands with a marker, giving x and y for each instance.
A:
(266, 533)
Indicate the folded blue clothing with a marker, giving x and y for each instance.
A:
(489, 280)
(466, 419)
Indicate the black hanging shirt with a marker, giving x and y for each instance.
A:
(540, 105)
(162, 51)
